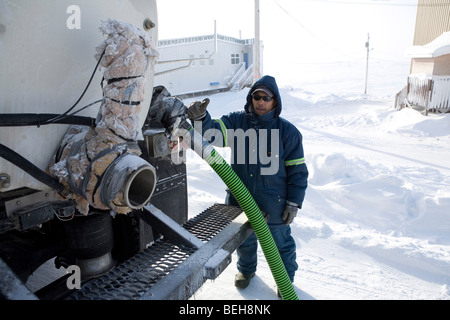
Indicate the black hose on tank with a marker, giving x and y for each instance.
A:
(39, 119)
(31, 169)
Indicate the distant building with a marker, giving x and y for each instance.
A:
(432, 58)
(430, 53)
(428, 85)
(432, 19)
(204, 64)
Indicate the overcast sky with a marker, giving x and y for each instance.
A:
(300, 31)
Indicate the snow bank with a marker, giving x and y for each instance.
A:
(375, 223)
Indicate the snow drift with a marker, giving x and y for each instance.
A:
(375, 222)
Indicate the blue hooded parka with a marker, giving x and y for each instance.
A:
(269, 159)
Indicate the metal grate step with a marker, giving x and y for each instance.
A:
(211, 221)
(134, 279)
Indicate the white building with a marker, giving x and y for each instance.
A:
(205, 64)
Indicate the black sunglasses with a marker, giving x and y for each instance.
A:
(265, 98)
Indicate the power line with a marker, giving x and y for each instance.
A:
(372, 3)
(310, 32)
(324, 42)
(429, 3)
(367, 63)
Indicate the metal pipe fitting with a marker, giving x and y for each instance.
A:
(129, 181)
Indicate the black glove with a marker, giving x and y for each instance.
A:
(290, 212)
(197, 110)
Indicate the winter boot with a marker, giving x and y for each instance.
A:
(242, 280)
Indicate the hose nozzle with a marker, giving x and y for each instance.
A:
(166, 109)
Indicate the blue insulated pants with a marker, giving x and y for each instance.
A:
(247, 251)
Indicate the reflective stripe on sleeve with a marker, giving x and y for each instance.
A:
(294, 162)
(223, 128)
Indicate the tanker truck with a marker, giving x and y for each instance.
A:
(91, 181)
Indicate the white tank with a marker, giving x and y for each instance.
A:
(47, 51)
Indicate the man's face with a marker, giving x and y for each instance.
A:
(260, 105)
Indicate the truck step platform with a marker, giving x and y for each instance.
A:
(173, 267)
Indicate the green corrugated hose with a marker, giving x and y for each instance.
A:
(251, 209)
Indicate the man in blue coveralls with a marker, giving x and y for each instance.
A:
(271, 164)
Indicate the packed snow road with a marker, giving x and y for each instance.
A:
(376, 219)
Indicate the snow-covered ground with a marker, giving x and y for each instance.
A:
(375, 223)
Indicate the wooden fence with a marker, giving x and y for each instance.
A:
(428, 94)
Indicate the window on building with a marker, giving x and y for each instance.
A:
(235, 58)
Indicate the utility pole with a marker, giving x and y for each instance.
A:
(367, 63)
(257, 45)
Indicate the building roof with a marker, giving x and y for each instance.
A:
(180, 41)
(436, 48)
